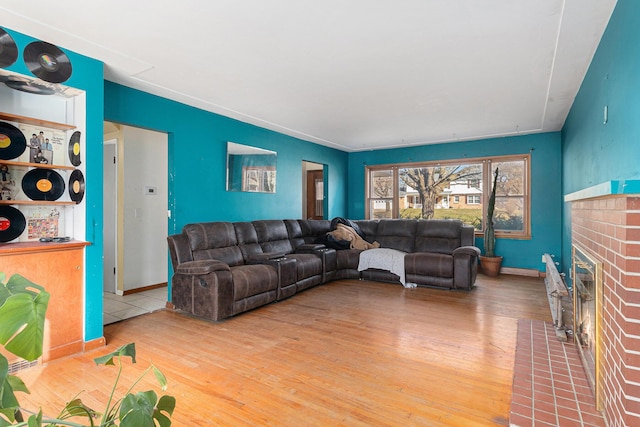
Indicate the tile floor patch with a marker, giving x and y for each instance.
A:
(550, 386)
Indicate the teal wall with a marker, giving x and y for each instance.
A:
(594, 152)
(546, 198)
(197, 161)
(87, 75)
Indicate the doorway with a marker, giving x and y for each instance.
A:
(135, 220)
(313, 199)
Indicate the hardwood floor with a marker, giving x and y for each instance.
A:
(350, 353)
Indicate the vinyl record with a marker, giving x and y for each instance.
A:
(74, 148)
(8, 49)
(28, 86)
(12, 141)
(12, 223)
(76, 186)
(43, 184)
(47, 61)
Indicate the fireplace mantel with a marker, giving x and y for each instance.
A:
(609, 188)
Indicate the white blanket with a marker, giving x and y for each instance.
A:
(385, 259)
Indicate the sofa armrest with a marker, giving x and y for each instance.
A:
(179, 249)
(198, 268)
(264, 257)
(466, 250)
(465, 266)
(203, 288)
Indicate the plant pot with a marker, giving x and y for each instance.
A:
(490, 265)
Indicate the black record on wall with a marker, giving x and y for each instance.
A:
(8, 49)
(12, 223)
(47, 62)
(76, 186)
(74, 148)
(12, 141)
(43, 184)
(28, 86)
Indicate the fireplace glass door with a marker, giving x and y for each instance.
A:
(587, 311)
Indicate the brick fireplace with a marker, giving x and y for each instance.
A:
(606, 221)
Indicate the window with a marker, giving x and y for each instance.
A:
(381, 194)
(511, 196)
(453, 189)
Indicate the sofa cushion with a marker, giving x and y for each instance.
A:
(369, 229)
(210, 235)
(396, 234)
(428, 264)
(214, 240)
(438, 235)
(312, 228)
(273, 236)
(294, 232)
(249, 280)
(307, 265)
(247, 241)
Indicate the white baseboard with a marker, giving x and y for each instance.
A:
(521, 272)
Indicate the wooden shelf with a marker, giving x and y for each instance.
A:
(37, 122)
(35, 165)
(37, 246)
(36, 203)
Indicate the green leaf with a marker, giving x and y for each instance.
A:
(4, 368)
(166, 404)
(137, 410)
(9, 414)
(22, 315)
(126, 350)
(17, 384)
(76, 408)
(8, 401)
(35, 420)
(160, 377)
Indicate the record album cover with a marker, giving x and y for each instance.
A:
(42, 221)
(44, 146)
(10, 182)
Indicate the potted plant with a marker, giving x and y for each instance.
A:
(489, 262)
(23, 305)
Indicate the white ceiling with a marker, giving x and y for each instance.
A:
(349, 74)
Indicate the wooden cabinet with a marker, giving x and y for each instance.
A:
(58, 267)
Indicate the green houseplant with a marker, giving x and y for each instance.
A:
(23, 305)
(489, 262)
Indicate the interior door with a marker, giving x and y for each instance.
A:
(315, 194)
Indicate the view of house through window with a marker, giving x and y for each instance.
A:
(452, 190)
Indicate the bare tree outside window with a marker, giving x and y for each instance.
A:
(433, 185)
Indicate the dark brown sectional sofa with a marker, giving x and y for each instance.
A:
(222, 269)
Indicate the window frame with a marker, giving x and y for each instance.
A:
(487, 181)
